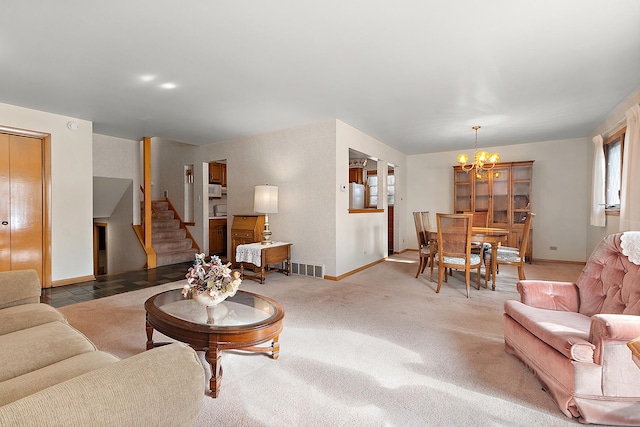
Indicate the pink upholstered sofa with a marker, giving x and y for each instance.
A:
(573, 335)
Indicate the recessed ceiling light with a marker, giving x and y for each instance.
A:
(168, 85)
(147, 78)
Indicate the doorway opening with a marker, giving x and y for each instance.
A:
(99, 249)
(391, 217)
(188, 194)
(216, 207)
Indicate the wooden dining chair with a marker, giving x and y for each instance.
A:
(480, 219)
(454, 247)
(514, 256)
(424, 249)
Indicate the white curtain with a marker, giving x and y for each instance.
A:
(630, 188)
(598, 216)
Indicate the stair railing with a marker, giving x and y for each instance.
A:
(144, 234)
(194, 245)
(140, 229)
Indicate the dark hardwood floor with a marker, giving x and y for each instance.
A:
(108, 285)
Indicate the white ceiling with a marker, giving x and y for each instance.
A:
(415, 74)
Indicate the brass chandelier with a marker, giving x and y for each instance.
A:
(482, 161)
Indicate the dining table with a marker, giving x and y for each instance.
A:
(493, 236)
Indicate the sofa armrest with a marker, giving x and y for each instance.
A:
(550, 295)
(615, 329)
(163, 386)
(19, 287)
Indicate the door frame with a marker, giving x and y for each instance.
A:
(96, 249)
(45, 139)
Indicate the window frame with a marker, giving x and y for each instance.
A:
(371, 173)
(617, 136)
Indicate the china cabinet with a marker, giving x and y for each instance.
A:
(503, 193)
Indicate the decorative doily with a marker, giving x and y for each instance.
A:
(630, 244)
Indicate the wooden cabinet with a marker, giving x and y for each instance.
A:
(356, 175)
(218, 173)
(218, 236)
(245, 229)
(503, 194)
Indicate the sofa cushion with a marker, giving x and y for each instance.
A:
(160, 387)
(27, 290)
(32, 382)
(34, 348)
(566, 331)
(25, 316)
(608, 281)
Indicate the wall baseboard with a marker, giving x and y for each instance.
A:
(357, 270)
(559, 261)
(72, 280)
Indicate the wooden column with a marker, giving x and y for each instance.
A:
(151, 254)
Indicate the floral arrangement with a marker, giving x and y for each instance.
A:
(213, 278)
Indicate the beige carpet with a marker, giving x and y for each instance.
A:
(379, 348)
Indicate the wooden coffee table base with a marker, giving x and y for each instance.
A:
(213, 354)
(213, 357)
(214, 340)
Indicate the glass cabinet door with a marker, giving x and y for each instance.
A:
(521, 192)
(462, 191)
(499, 178)
(481, 193)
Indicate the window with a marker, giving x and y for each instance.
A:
(372, 185)
(613, 152)
(391, 188)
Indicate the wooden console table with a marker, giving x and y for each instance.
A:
(262, 256)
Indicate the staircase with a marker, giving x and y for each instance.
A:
(170, 239)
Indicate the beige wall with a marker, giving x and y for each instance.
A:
(119, 158)
(124, 251)
(71, 188)
(308, 163)
(362, 238)
(299, 160)
(559, 192)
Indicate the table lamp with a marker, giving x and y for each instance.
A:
(265, 200)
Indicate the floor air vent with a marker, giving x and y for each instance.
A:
(309, 270)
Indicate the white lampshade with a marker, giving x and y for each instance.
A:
(265, 199)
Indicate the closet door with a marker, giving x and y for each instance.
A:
(5, 205)
(22, 213)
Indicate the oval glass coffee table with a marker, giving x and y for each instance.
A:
(241, 322)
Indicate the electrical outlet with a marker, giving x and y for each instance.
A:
(553, 248)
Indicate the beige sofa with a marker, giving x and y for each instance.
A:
(574, 335)
(52, 375)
